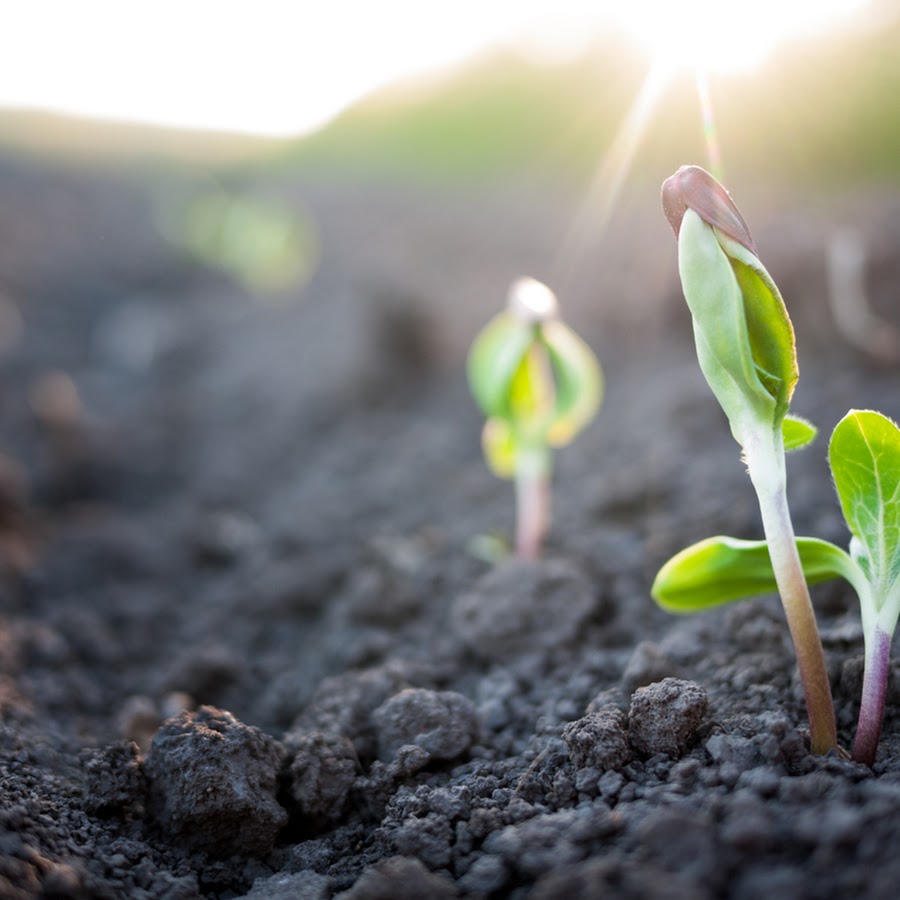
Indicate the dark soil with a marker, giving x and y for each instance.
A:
(249, 645)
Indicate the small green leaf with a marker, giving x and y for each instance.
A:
(797, 432)
(494, 359)
(864, 454)
(744, 336)
(721, 569)
(579, 382)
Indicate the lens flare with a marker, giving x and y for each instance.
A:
(727, 37)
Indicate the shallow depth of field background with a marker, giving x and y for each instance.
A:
(396, 171)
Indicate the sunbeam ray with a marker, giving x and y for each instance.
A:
(594, 212)
(710, 132)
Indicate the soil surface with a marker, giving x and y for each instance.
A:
(251, 639)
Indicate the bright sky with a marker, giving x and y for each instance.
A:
(281, 67)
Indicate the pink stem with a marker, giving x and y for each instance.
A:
(871, 710)
(532, 503)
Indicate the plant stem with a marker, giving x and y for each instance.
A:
(533, 470)
(871, 710)
(765, 462)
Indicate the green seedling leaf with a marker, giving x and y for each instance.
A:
(797, 432)
(738, 312)
(720, 570)
(864, 454)
(579, 382)
(720, 326)
(494, 359)
(745, 340)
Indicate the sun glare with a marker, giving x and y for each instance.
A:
(277, 67)
(713, 35)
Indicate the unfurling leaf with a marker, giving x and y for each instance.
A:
(744, 337)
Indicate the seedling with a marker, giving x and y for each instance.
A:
(538, 384)
(745, 347)
(864, 454)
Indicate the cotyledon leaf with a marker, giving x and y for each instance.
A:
(744, 334)
(722, 569)
(714, 297)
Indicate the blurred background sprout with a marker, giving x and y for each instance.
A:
(265, 245)
(538, 384)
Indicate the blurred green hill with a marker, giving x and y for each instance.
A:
(825, 113)
(499, 115)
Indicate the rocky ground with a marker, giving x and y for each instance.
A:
(250, 644)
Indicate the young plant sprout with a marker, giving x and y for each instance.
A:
(864, 455)
(538, 384)
(745, 347)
